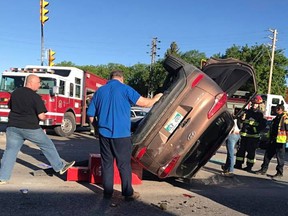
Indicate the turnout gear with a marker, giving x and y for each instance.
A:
(253, 122)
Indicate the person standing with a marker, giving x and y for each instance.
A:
(233, 138)
(253, 123)
(278, 137)
(111, 104)
(26, 109)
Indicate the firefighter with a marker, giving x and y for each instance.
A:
(278, 137)
(253, 122)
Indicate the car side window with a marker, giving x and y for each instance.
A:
(132, 114)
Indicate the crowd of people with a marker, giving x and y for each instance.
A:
(110, 105)
(246, 133)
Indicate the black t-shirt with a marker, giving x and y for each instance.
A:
(25, 105)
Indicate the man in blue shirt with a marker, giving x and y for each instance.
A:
(111, 104)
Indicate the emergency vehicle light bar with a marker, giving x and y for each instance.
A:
(32, 70)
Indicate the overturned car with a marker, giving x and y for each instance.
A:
(189, 123)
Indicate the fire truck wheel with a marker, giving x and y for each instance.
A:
(67, 127)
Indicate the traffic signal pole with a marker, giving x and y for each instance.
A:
(43, 19)
(42, 45)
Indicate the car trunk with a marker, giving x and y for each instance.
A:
(230, 74)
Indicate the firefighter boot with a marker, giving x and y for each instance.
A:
(238, 165)
(261, 172)
(248, 169)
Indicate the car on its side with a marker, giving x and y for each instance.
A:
(184, 129)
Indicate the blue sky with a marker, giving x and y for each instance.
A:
(93, 32)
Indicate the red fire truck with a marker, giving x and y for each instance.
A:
(64, 90)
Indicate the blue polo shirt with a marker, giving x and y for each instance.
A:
(111, 104)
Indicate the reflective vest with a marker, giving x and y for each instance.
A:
(281, 135)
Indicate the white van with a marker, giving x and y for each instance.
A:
(270, 102)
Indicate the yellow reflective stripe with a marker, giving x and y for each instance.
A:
(249, 135)
(251, 160)
(239, 158)
(251, 122)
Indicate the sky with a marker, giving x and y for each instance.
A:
(94, 32)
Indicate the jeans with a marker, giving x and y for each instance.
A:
(15, 138)
(230, 145)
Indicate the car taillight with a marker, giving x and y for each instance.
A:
(220, 101)
(169, 167)
(141, 153)
(197, 80)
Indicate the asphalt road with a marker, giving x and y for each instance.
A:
(208, 193)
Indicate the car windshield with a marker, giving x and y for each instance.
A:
(10, 83)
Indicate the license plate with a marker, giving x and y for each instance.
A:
(174, 122)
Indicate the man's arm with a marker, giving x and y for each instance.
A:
(42, 116)
(148, 102)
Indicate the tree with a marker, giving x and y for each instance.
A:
(174, 50)
(259, 57)
(193, 57)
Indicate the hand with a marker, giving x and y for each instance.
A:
(158, 96)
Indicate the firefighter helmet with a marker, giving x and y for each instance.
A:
(257, 100)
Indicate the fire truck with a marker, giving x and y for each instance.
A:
(237, 101)
(66, 92)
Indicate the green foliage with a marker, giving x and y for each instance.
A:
(140, 76)
(193, 57)
(259, 57)
(173, 50)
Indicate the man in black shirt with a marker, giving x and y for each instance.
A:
(26, 109)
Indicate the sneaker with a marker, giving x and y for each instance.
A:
(277, 176)
(260, 172)
(227, 174)
(133, 197)
(3, 182)
(66, 167)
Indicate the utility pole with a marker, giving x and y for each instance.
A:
(154, 49)
(274, 31)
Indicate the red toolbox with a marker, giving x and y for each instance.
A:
(95, 171)
(78, 174)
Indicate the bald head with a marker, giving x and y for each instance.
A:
(33, 82)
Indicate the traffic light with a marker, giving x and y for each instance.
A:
(43, 11)
(51, 57)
